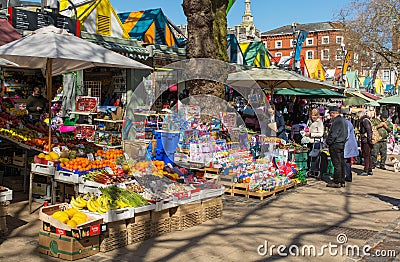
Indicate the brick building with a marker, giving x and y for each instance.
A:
(324, 41)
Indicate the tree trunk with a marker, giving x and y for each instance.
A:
(206, 39)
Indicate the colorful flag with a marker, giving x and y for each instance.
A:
(300, 40)
(346, 62)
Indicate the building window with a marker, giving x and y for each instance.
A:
(310, 55)
(292, 42)
(325, 55)
(309, 41)
(338, 54)
(325, 40)
(339, 40)
(278, 54)
(386, 75)
(278, 44)
(291, 53)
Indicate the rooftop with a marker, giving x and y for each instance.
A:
(311, 27)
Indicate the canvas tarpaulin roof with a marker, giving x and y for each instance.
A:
(315, 69)
(234, 52)
(391, 100)
(352, 80)
(255, 54)
(309, 92)
(149, 26)
(97, 17)
(7, 32)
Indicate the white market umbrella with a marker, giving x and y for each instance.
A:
(55, 52)
(271, 78)
(5, 62)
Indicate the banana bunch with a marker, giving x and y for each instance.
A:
(100, 204)
(78, 202)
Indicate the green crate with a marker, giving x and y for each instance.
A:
(301, 157)
(301, 165)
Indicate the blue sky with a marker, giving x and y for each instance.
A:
(268, 14)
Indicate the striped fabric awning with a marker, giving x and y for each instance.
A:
(255, 54)
(149, 26)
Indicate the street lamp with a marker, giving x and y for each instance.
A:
(294, 43)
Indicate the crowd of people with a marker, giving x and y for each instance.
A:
(348, 136)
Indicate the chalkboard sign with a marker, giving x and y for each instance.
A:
(30, 21)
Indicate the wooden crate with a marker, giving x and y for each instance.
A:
(186, 216)
(160, 222)
(139, 227)
(212, 208)
(116, 237)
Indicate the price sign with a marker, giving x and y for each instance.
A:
(20, 125)
(109, 170)
(98, 158)
(8, 126)
(57, 150)
(55, 140)
(105, 149)
(80, 151)
(126, 156)
(81, 146)
(40, 135)
(90, 157)
(64, 148)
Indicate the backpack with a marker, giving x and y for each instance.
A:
(376, 137)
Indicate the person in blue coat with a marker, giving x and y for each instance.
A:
(350, 149)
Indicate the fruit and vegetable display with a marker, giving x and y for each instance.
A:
(71, 217)
(112, 198)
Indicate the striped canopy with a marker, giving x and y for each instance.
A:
(234, 52)
(149, 26)
(255, 54)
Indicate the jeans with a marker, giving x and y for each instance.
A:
(337, 157)
(366, 150)
(347, 168)
(379, 148)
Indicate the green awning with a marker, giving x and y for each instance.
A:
(309, 92)
(391, 100)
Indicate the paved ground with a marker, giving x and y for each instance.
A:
(310, 215)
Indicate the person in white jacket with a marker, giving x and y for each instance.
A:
(314, 134)
(316, 129)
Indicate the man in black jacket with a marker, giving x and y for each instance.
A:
(36, 104)
(366, 142)
(336, 139)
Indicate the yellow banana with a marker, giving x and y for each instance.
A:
(90, 205)
(74, 204)
(80, 202)
(121, 203)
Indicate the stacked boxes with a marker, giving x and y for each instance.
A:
(138, 228)
(116, 238)
(212, 208)
(186, 216)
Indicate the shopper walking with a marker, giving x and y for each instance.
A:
(366, 142)
(384, 127)
(336, 140)
(350, 149)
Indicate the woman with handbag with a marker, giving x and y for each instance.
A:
(314, 135)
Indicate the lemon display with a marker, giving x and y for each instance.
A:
(71, 212)
(72, 223)
(61, 216)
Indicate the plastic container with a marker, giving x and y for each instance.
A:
(160, 154)
(169, 158)
(170, 141)
(157, 136)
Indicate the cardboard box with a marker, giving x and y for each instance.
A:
(46, 212)
(39, 189)
(67, 248)
(86, 103)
